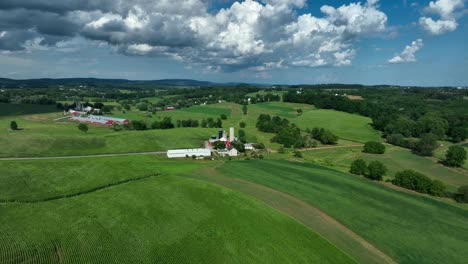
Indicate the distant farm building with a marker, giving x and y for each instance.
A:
(223, 136)
(76, 113)
(228, 152)
(249, 146)
(100, 120)
(183, 153)
(169, 108)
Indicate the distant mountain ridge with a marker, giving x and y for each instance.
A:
(46, 82)
(94, 82)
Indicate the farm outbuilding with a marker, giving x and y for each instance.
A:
(249, 146)
(182, 153)
(231, 153)
(100, 120)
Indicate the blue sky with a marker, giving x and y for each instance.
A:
(271, 41)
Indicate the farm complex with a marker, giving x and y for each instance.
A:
(237, 174)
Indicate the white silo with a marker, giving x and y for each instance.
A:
(231, 134)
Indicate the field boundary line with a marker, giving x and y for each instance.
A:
(71, 195)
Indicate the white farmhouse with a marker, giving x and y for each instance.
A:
(231, 153)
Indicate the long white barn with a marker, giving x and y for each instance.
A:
(182, 153)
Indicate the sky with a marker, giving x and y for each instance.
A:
(397, 42)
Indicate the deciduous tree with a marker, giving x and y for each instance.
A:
(376, 170)
(456, 156)
(358, 167)
(13, 125)
(374, 147)
(83, 127)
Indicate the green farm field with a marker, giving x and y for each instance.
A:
(165, 219)
(346, 126)
(397, 223)
(24, 109)
(395, 159)
(24, 180)
(41, 135)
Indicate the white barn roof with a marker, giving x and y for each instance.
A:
(182, 153)
(104, 120)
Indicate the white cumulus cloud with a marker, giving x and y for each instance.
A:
(408, 54)
(447, 10)
(249, 34)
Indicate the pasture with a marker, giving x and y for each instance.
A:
(395, 159)
(24, 109)
(163, 219)
(407, 227)
(346, 126)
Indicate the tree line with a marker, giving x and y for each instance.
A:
(410, 112)
(289, 134)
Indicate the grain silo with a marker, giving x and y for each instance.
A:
(231, 134)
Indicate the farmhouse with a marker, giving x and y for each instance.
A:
(225, 152)
(182, 153)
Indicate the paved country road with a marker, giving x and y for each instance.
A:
(143, 153)
(88, 156)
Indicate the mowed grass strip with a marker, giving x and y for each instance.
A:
(409, 228)
(310, 216)
(167, 219)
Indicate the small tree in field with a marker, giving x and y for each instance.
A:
(297, 154)
(244, 109)
(462, 194)
(83, 127)
(456, 156)
(374, 147)
(376, 170)
(13, 125)
(358, 167)
(281, 150)
(242, 124)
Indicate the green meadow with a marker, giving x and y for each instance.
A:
(148, 209)
(346, 126)
(161, 219)
(395, 159)
(407, 227)
(24, 109)
(43, 135)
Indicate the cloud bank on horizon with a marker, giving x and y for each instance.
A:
(254, 35)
